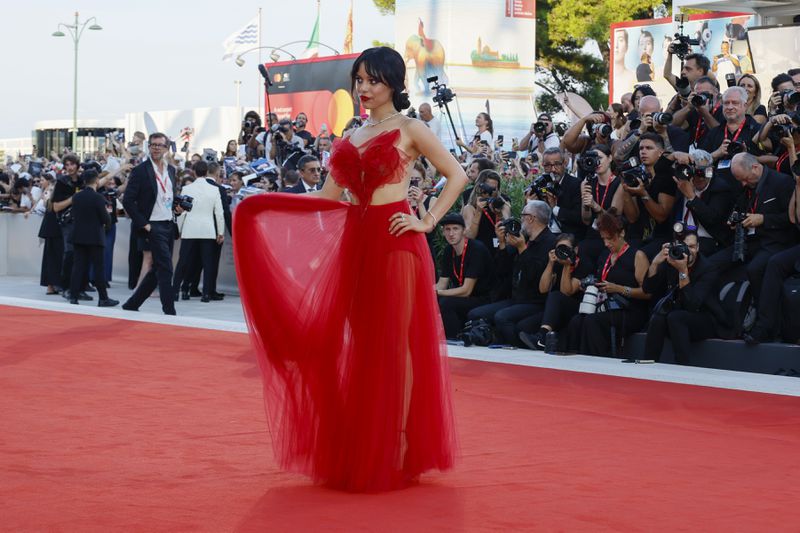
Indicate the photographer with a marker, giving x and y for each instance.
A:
(599, 126)
(485, 209)
(651, 120)
(90, 220)
(649, 195)
(300, 122)
(704, 202)
(464, 282)
(66, 186)
(695, 66)
(780, 266)
(761, 215)
(473, 170)
(688, 309)
(700, 111)
(541, 136)
(620, 272)
(285, 143)
(561, 281)
(600, 192)
(781, 136)
(524, 256)
(784, 97)
(561, 191)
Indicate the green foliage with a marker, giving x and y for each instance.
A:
(385, 7)
(381, 43)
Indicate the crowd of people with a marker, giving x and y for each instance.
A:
(630, 221)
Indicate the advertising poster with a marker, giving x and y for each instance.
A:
(639, 49)
(319, 87)
(484, 50)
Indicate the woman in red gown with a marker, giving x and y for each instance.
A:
(357, 393)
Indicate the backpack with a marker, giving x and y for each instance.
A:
(736, 301)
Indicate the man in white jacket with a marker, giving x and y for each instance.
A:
(199, 233)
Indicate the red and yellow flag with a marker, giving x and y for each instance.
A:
(348, 33)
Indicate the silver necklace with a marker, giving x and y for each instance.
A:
(369, 123)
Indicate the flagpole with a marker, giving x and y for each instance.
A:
(259, 84)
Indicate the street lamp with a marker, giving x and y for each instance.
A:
(274, 56)
(76, 31)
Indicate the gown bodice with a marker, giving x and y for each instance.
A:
(365, 167)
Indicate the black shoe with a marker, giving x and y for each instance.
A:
(184, 295)
(217, 297)
(89, 288)
(195, 293)
(205, 299)
(170, 312)
(128, 307)
(85, 297)
(73, 301)
(108, 302)
(529, 340)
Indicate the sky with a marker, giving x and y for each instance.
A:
(153, 54)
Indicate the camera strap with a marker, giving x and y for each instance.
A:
(751, 207)
(609, 265)
(700, 129)
(460, 275)
(783, 158)
(161, 183)
(738, 132)
(492, 220)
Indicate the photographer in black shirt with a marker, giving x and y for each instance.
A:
(486, 207)
(465, 269)
(523, 253)
(561, 191)
(700, 111)
(687, 311)
(650, 120)
(66, 186)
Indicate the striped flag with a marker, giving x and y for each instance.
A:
(348, 32)
(312, 50)
(241, 40)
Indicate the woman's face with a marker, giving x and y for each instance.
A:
(749, 86)
(232, 146)
(637, 95)
(480, 121)
(646, 45)
(612, 241)
(605, 162)
(371, 92)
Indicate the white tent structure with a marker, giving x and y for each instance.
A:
(770, 12)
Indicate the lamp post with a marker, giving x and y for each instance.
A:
(76, 31)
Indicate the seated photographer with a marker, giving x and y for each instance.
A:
(650, 120)
(781, 136)
(648, 196)
(734, 135)
(486, 207)
(780, 266)
(616, 299)
(699, 111)
(704, 202)
(561, 281)
(310, 171)
(561, 191)
(523, 253)
(600, 191)
(760, 218)
(686, 283)
(541, 136)
(598, 125)
(465, 275)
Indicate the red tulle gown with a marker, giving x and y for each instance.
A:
(345, 323)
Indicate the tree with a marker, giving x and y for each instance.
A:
(386, 7)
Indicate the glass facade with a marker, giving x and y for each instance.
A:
(90, 140)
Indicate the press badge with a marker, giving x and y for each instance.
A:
(496, 242)
(724, 163)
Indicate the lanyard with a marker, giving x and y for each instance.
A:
(781, 159)
(492, 220)
(739, 131)
(749, 194)
(597, 191)
(460, 275)
(698, 131)
(163, 184)
(609, 264)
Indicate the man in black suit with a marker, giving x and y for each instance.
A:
(566, 206)
(764, 199)
(90, 219)
(148, 200)
(310, 172)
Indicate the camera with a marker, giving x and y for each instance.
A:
(588, 281)
(539, 127)
(497, 204)
(736, 147)
(790, 97)
(604, 130)
(412, 113)
(248, 124)
(484, 189)
(589, 162)
(682, 45)
(512, 226)
(110, 194)
(683, 87)
(632, 172)
(739, 244)
(441, 93)
(477, 332)
(700, 99)
(566, 253)
(736, 218)
(677, 250)
(183, 201)
(544, 184)
(665, 119)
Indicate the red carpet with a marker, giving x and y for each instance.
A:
(110, 425)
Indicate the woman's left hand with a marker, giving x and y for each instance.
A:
(400, 223)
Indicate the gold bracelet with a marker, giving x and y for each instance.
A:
(435, 220)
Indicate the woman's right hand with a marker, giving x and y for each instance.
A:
(551, 257)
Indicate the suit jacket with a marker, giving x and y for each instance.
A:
(205, 220)
(140, 195)
(772, 195)
(569, 207)
(90, 218)
(711, 210)
(297, 189)
(226, 205)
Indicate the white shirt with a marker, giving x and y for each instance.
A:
(162, 209)
(688, 216)
(550, 141)
(435, 124)
(308, 187)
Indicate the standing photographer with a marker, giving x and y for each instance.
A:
(781, 136)
(651, 120)
(66, 186)
(285, 143)
(599, 127)
(524, 256)
(464, 281)
(701, 110)
(695, 66)
(541, 136)
(485, 209)
(688, 309)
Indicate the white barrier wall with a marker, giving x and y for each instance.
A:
(21, 252)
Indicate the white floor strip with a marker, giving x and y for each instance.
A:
(707, 377)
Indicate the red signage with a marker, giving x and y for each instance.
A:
(521, 9)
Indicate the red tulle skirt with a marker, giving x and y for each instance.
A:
(346, 326)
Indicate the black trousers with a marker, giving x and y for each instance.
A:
(69, 254)
(85, 256)
(506, 315)
(135, 260)
(454, 310)
(779, 267)
(52, 257)
(682, 327)
(160, 240)
(591, 334)
(559, 310)
(195, 254)
(192, 279)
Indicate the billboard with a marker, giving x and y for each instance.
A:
(639, 49)
(484, 50)
(318, 87)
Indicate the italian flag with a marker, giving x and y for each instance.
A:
(312, 50)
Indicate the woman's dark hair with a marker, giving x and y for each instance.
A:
(488, 174)
(567, 237)
(606, 149)
(387, 66)
(643, 90)
(779, 79)
(227, 149)
(610, 223)
(489, 123)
